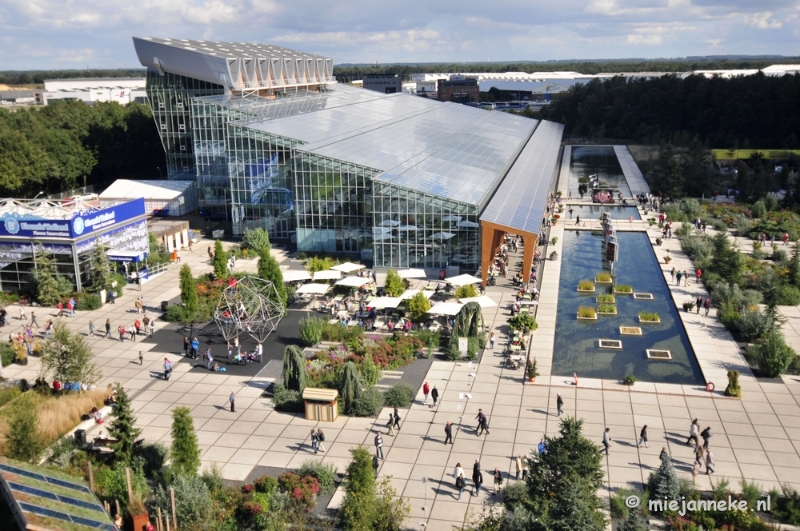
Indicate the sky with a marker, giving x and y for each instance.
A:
(61, 34)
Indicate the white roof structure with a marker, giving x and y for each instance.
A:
(348, 267)
(411, 273)
(235, 66)
(354, 282)
(327, 275)
(410, 293)
(463, 280)
(483, 300)
(446, 308)
(44, 209)
(313, 288)
(294, 275)
(379, 303)
(149, 190)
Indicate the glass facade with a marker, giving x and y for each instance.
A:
(333, 201)
(170, 98)
(414, 229)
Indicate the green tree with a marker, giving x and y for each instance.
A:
(193, 502)
(667, 174)
(311, 330)
(24, 439)
(256, 239)
(294, 369)
(48, 291)
(220, 261)
(358, 507)
(772, 354)
(123, 427)
(67, 357)
(188, 291)
(634, 522)
(350, 386)
(100, 270)
(185, 452)
(571, 467)
(727, 261)
(418, 307)
(794, 267)
(466, 292)
(269, 269)
(394, 284)
(664, 482)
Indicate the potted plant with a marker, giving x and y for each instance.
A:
(687, 306)
(554, 256)
(531, 372)
(659, 241)
(629, 380)
(524, 322)
(138, 512)
(554, 240)
(556, 217)
(667, 259)
(733, 388)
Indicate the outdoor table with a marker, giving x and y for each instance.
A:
(515, 348)
(516, 358)
(528, 303)
(435, 327)
(338, 298)
(524, 309)
(527, 297)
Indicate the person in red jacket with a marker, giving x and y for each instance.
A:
(426, 390)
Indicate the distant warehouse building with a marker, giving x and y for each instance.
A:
(161, 198)
(384, 83)
(93, 90)
(458, 90)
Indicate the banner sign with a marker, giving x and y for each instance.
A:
(79, 225)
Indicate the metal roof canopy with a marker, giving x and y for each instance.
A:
(320, 395)
(152, 190)
(520, 200)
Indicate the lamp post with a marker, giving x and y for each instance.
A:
(160, 175)
(37, 195)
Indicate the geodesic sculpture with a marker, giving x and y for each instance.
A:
(248, 306)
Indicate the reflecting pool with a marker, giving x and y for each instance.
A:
(577, 341)
(600, 160)
(594, 211)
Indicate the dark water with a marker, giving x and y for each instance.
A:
(588, 160)
(576, 343)
(594, 211)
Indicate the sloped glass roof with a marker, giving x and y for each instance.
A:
(520, 200)
(453, 151)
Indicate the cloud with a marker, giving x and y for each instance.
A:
(97, 33)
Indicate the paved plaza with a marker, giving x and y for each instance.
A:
(757, 437)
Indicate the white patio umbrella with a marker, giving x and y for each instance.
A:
(329, 274)
(348, 267)
(463, 280)
(469, 224)
(446, 308)
(390, 223)
(412, 273)
(313, 288)
(379, 303)
(442, 235)
(355, 282)
(483, 300)
(410, 293)
(294, 275)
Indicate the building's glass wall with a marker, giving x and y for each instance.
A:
(261, 181)
(413, 229)
(333, 200)
(170, 99)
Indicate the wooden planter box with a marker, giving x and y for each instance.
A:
(649, 322)
(586, 290)
(139, 521)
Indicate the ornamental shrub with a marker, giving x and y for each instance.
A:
(302, 490)
(399, 395)
(311, 330)
(368, 404)
(267, 483)
(255, 239)
(394, 285)
(733, 389)
(772, 354)
(89, 302)
(467, 291)
(286, 400)
(325, 473)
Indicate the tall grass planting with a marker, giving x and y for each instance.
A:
(586, 312)
(586, 285)
(603, 276)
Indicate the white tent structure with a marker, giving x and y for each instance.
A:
(167, 198)
(412, 273)
(446, 308)
(348, 267)
(463, 280)
(483, 300)
(379, 303)
(294, 276)
(317, 289)
(327, 275)
(409, 294)
(355, 282)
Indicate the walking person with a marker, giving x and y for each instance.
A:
(121, 331)
(186, 344)
(498, 480)
(209, 358)
(559, 404)
(132, 332)
(426, 390)
(643, 438)
(694, 432)
(491, 341)
(167, 369)
(606, 440)
(91, 328)
(709, 462)
(314, 440)
(482, 425)
(396, 419)
(699, 303)
(520, 464)
(152, 327)
(673, 273)
(577, 220)
(685, 279)
(320, 440)
(699, 454)
(22, 315)
(435, 396)
(141, 358)
(678, 276)
(460, 484)
(232, 399)
(706, 435)
(375, 464)
(195, 348)
(379, 445)
(477, 479)
(108, 328)
(448, 432)
(390, 425)
(33, 321)
(707, 305)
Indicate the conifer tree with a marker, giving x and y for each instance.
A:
(664, 482)
(358, 507)
(220, 260)
(634, 522)
(294, 369)
(794, 266)
(24, 439)
(185, 451)
(188, 291)
(122, 428)
(269, 269)
(350, 387)
(48, 291)
(100, 270)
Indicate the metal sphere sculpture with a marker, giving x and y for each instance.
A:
(249, 306)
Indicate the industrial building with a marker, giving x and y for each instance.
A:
(405, 181)
(161, 198)
(385, 83)
(94, 90)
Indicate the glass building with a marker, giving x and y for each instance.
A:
(400, 180)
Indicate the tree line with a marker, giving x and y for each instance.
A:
(348, 73)
(37, 77)
(68, 144)
(755, 111)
